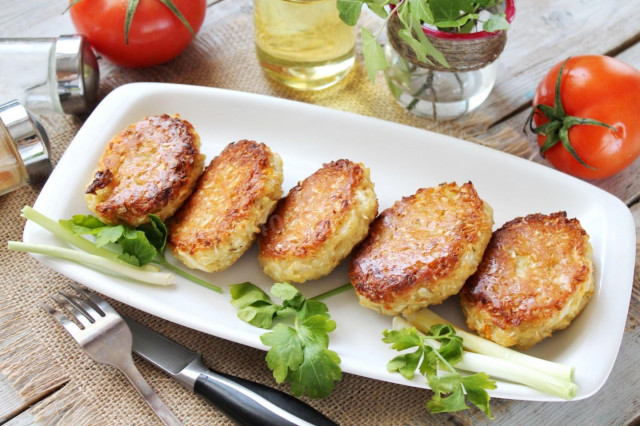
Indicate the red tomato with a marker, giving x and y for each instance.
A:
(599, 88)
(156, 35)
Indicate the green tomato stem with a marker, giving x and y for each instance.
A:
(556, 129)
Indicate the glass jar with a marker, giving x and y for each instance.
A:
(24, 148)
(49, 75)
(433, 91)
(303, 43)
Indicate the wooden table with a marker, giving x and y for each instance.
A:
(544, 32)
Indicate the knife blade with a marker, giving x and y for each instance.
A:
(244, 401)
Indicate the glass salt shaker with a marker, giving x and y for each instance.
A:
(24, 148)
(49, 75)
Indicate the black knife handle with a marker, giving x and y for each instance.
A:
(250, 403)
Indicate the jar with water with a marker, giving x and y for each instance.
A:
(440, 95)
(440, 92)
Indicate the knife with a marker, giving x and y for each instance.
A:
(246, 402)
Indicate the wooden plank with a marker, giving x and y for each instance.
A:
(557, 29)
(45, 18)
(35, 18)
(10, 401)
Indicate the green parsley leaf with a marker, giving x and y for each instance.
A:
(475, 386)
(245, 294)
(437, 365)
(298, 354)
(285, 354)
(406, 364)
(449, 404)
(130, 259)
(138, 246)
(402, 339)
(311, 308)
(108, 234)
(316, 330)
(447, 383)
(254, 305)
(291, 297)
(156, 232)
(373, 54)
(87, 221)
(451, 348)
(316, 375)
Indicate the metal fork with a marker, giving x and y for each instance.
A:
(105, 336)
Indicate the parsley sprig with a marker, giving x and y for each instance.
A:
(138, 246)
(299, 351)
(435, 356)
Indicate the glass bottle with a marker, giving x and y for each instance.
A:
(24, 148)
(49, 75)
(303, 43)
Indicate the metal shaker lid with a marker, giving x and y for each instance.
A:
(77, 73)
(30, 139)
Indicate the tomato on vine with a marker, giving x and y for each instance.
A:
(138, 33)
(586, 113)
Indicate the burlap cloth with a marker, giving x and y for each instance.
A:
(38, 357)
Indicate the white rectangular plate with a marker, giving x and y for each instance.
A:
(402, 159)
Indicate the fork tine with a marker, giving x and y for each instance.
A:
(69, 325)
(63, 300)
(96, 301)
(85, 308)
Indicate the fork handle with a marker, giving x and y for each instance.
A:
(149, 396)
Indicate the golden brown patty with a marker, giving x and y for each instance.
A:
(150, 167)
(422, 249)
(234, 196)
(535, 277)
(317, 225)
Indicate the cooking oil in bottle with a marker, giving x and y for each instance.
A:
(303, 43)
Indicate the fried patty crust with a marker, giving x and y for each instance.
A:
(535, 277)
(422, 249)
(150, 167)
(318, 223)
(233, 197)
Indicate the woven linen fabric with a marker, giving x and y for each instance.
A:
(37, 356)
